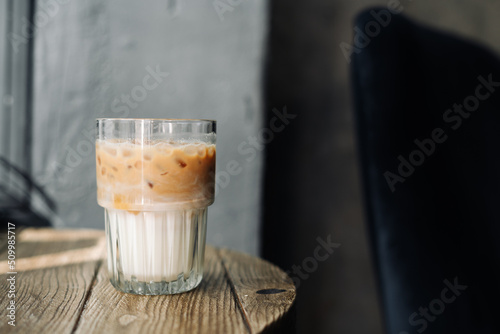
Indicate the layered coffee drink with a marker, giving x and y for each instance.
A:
(157, 176)
(155, 190)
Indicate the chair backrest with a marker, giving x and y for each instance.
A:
(428, 118)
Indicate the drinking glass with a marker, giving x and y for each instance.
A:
(155, 181)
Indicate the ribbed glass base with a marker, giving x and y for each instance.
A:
(155, 253)
(157, 288)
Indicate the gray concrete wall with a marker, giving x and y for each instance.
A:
(3, 87)
(91, 53)
(13, 99)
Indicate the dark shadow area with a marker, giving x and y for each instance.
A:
(427, 107)
(310, 172)
(22, 216)
(19, 209)
(286, 325)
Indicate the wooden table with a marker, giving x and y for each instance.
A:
(61, 286)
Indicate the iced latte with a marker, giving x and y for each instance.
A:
(155, 179)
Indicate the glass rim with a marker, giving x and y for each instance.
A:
(168, 120)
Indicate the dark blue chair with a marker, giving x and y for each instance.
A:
(428, 125)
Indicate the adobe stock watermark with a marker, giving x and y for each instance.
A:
(436, 307)
(223, 6)
(122, 107)
(310, 264)
(251, 146)
(45, 12)
(11, 274)
(372, 29)
(427, 146)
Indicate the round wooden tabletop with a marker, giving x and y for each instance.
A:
(62, 287)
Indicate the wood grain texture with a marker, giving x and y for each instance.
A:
(266, 293)
(55, 270)
(210, 308)
(63, 287)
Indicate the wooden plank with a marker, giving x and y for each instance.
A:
(63, 288)
(265, 292)
(55, 270)
(211, 308)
